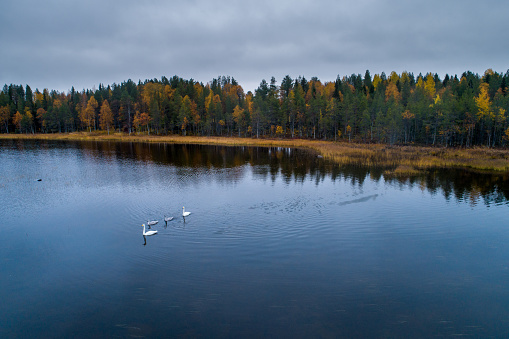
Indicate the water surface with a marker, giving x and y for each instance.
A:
(279, 244)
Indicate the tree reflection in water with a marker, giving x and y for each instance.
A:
(294, 165)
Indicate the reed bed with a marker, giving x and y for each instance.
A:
(410, 159)
(402, 171)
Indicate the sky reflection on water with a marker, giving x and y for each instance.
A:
(280, 243)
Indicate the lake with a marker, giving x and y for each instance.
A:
(280, 243)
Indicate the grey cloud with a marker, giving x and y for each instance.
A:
(62, 44)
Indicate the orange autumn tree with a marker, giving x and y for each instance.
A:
(464, 110)
(105, 116)
(141, 120)
(24, 122)
(392, 92)
(17, 120)
(41, 117)
(87, 115)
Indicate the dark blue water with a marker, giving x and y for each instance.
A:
(279, 244)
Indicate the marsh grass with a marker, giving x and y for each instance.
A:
(405, 160)
(403, 171)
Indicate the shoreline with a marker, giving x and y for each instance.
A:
(404, 160)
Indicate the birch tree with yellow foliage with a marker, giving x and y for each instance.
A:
(484, 110)
(106, 117)
(87, 115)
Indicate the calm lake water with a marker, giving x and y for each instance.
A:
(279, 244)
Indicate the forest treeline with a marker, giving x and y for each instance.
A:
(399, 108)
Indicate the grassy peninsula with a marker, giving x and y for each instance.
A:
(405, 160)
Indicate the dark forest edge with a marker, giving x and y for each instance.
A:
(398, 160)
(400, 109)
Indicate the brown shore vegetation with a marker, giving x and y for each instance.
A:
(404, 160)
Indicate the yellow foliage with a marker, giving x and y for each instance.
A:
(87, 115)
(28, 114)
(184, 124)
(4, 114)
(194, 113)
(39, 97)
(376, 81)
(420, 83)
(17, 119)
(217, 99)
(151, 91)
(318, 87)
(144, 118)
(501, 116)
(106, 116)
(237, 114)
(198, 89)
(489, 71)
(429, 86)
(40, 116)
(394, 77)
(405, 77)
(208, 101)
(407, 115)
(483, 103)
(329, 90)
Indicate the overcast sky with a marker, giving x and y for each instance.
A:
(59, 44)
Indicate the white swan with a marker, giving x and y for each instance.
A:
(166, 219)
(152, 223)
(149, 232)
(184, 213)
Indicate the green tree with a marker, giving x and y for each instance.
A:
(27, 121)
(185, 114)
(5, 115)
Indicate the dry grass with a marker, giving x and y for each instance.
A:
(403, 171)
(409, 158)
